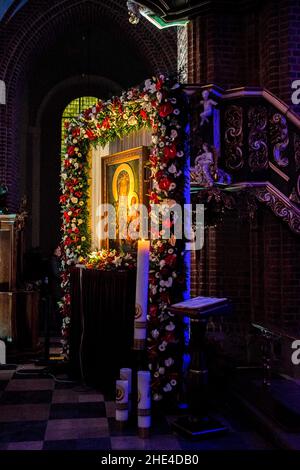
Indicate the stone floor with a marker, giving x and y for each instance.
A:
(38, 412)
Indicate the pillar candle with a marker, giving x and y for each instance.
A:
(126, 374)
(2, 352)
(144, 403)
(141, 297)
(122, 400)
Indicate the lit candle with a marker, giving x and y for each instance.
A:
(141, 296)
(126, 374)
(121, 400)
(144, 403)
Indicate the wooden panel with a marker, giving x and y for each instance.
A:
(5, 259)
(7, 315)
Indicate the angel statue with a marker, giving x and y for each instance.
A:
(206, 171)
(208, 104)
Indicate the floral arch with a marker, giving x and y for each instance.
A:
(160, 105)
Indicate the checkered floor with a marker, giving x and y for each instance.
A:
(39, 413)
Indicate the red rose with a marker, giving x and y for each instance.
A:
(159, 84)
(71, 150)
(78, 193)
(76, 132)
(154, 199)
(170, 151)
(170, 260)
(164, 184)
(106, 123)
(153, 310)
(165, 109)
(143, 114)
(99, 106)
(90, 134)
(66, 124)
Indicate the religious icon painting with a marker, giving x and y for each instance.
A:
(124, 189)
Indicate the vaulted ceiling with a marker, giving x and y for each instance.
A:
(166, 9)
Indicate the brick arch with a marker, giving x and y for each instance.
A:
(34, 29)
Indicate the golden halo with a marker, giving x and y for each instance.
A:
(128, 169)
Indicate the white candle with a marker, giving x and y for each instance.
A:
(126, 374)
(144, 402)
(2, 352)
(141, 296)
(122, 400)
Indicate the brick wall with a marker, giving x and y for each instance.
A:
(32, 32)
(248, 43)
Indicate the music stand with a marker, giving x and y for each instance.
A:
(199, 310)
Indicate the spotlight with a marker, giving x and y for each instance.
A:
(133, 12)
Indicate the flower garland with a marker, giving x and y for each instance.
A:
(109, 260)
(158, 104)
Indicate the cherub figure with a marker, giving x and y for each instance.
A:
(208, 104)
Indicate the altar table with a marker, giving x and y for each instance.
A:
(102, 322)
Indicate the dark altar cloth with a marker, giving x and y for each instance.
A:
(105, 314)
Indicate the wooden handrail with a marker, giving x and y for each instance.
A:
(248, 92)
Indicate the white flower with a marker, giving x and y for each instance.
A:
(170, 251)
(75, 141)
(74, 200)
(117, 261)
(172, 168)
(162, 263)
(76, 165)
(157, 397)
(159, 96)
(167, 388)
(162, 347)
(176, 112)
(161, 370)
(173, 382)
(179, 154)
(154, 139)
(172, 186)
(174, 134)
(170, 326)
(149, 86)
(155, 334)
(64, 176)
(154, 290)
(173, 100)
(169, 362)
(161, 144)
